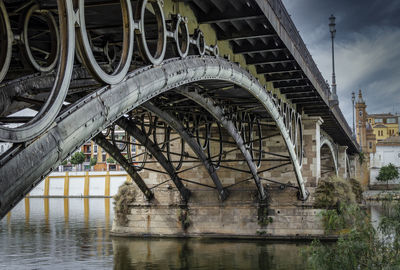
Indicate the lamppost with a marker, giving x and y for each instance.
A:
(332, 29)
(353, 98)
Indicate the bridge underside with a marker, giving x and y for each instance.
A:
(212, 85)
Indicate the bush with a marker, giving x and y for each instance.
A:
(361, 246)
(357, 189)
(332, 192)
(125, 196)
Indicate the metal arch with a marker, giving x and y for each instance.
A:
(178, 127)
(219, 116)
(130, 127)
(327, 142)
(95, 112)
(113, 151)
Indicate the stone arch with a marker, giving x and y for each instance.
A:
(328, 158)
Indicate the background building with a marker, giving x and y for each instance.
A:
(387, 151)
(104, 162)
(364, 129)
(384, 125)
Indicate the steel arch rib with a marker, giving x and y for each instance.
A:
(113, 151)
(93, 113)
(328, 143)
(155, 150)
(178, 127)
(219, 116)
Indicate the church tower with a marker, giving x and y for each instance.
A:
(361, 121)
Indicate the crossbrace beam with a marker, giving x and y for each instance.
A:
(154, 149)
(113, 151)
(178, 127)
(219, 116)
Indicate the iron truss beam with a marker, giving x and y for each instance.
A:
(263, 33)
(257, 48)
(269, 70)
(230, 17)
(188, 138)
(113, 151)
(271, 59)
(219, 116)
(130, 127)
(296, 90)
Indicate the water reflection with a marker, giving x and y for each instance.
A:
(74, 233)
(205, 254)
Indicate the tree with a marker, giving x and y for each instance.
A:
(110, 160)
(388, 173)
(93, 161)
(77, 158)
(65, 162)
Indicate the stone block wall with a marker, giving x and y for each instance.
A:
(207, 216)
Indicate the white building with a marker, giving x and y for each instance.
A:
(387, 151)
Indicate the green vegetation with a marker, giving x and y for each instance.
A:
(263, 218)
(126, 195)
(110, 160)
(357, 189)
(77, 158)
(333, 192)
(93, 161)
(360, 245)
(183, 217)
(65, 162)
(388, 173)
(361, 157)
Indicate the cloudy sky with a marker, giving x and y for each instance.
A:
(367, 48)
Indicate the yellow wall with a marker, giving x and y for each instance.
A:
(383, 133)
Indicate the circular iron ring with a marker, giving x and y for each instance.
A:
(144, 50)
(55, 39)
(182, 47)
(6, 41)
(86, 53)
(54, 102)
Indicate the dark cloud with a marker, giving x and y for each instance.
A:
(367, 47)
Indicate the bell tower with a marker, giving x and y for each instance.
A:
(361, 120)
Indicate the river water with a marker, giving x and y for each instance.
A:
(74, 234)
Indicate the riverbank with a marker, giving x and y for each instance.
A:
(377, 195)
(80, 185)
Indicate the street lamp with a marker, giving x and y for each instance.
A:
(353, 98)
(332, 29)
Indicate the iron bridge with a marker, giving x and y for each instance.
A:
(208, 75)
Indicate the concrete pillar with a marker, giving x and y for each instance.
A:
(86, 186)
(341, 162)
(311, 169)
(66, 185)
(46, 187)
(107, 185)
